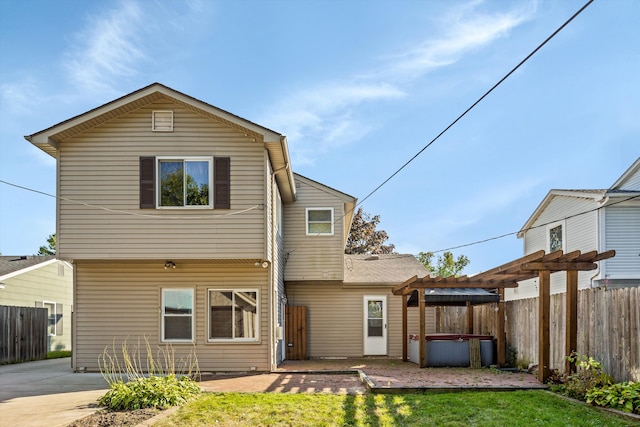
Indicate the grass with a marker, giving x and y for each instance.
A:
(58, 354)
(519, 408)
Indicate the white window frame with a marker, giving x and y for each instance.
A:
(163, 315)
(208, 159)
(307, 221)
(564, 235)
(47, 304)
(233, 340)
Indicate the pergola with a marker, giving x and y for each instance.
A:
(538, 264)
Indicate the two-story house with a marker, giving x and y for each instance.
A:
(585, 220)
(187, 225)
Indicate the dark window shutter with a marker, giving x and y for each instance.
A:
(147, 182)
(222, 183)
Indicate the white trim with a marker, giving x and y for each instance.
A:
(306, 221)
(55, 316)
(162, 316)
(208, 159)
(27, 269)
(234, 292)
(368, 351)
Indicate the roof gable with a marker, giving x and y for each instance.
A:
(48, 140)
(11, 266)
(630, 179)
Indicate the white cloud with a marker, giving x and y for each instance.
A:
(17, 98)
(109, 48)
(324, 116)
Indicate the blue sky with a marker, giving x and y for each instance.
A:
(358, 87)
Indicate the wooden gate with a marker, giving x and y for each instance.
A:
(296, 332)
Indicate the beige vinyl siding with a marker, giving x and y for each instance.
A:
(313, 257)
(119, 301)
(335, 318)
(52, 282)
(100, 167)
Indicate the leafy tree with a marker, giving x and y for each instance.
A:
(364, 238)
(446, 265)
(50, 249)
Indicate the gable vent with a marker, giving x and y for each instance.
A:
(162, 121)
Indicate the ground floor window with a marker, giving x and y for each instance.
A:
(52, 317)
(177, 315)
(233, 315)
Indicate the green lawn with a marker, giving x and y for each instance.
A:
(520, 408)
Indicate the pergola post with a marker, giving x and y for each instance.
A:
(423, 339)
(543, 325)
(571, 343)
(405, 331)
(502, 357)
(469, 318)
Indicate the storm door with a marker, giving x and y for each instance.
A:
(375, 325)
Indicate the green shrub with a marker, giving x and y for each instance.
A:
(150, 392)
(152, 382)
(588, 376)
(621, 396)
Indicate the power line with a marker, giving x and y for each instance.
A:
(477, 242)
(119, 211)
(477, 102)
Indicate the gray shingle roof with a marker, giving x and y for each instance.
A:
(11, 264)
(382, 269)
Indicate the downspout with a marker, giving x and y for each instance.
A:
(600, 227)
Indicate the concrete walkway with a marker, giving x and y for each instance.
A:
(47, 393)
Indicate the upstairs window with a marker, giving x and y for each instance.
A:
(185, 182)
(319, 221)
(556, 237)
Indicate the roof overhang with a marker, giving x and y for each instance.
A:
(453, 297)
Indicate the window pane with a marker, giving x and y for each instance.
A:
(177, 328)
(197, 183)
(52, 320)
(374, 309)
(171, 183)
(246, 311)
(374, 327)
(321, 228)
(220, 314)
(178, 302)
(555, 238)
(320, 215)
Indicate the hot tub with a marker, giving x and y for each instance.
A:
(451, 349)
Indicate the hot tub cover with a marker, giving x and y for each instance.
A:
(454, 296)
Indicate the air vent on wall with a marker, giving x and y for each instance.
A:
(162, 121)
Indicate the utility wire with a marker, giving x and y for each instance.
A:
(477, 102)
(534, 227)
(119, 211)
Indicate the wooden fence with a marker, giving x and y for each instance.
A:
(23, 334)
(608, 328)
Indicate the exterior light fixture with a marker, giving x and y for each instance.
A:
(169, 264)
(263, 264)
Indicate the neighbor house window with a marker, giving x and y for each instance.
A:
(556, 237)
(233, 315)
(177, 315)
(52, 317)
(185, 182)
(319, 221)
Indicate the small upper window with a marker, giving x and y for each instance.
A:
(556, 238)
(162, 121)
(185, 182)
(319, 221)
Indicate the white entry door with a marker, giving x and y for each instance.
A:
(375, 325)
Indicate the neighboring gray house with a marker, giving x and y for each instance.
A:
(40, 281)
(588, 220)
